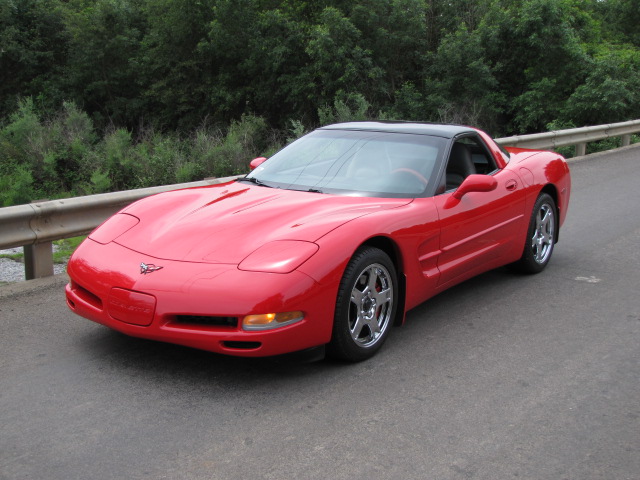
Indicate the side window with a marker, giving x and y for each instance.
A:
(468, 156)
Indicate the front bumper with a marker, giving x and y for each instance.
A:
(198, 305)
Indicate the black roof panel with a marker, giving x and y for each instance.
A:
(434, 129)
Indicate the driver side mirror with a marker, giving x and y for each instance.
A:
(256, 162)
(475, 183)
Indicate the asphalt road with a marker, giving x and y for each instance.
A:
(504, 376)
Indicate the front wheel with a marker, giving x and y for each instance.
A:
(541, 236)
(365, 307)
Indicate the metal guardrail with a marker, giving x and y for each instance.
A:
(36, 225)
(573, 136)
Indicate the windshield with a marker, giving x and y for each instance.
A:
(355, 163)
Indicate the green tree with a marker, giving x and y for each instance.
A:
(101, 72)
(337, 61)
(611, 91)
(176, 74)
(395, 32)
(620, 20)
(462, 87)
(278, 84)
(33, 45)
(536, 56)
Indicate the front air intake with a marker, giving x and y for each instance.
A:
(242, 345)
(207, 321)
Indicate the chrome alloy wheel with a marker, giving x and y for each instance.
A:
(543, 234)
(371, 305)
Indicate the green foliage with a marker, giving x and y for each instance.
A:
(620, 20)
(61, 155)
(104, 38)
(602, 145)
(611, 91)
(395, 35)
(338, 60)
(116, 155)
(244, 140)
(16, 186)
(175, 69)
(510, 66)
(114, 94)
(537, 58)
(33, 42)
(297, 130)
(409, 104)
(100, 182)
(346, 108)
(50, 149)
(463, 85)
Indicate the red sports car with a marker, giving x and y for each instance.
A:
(327, 243)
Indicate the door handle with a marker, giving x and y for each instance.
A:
(511, 185)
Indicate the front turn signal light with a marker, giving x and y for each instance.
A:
(268, 321)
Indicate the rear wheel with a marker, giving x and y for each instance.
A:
(365, 307)
(540, 236)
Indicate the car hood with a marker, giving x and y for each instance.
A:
(225, 223)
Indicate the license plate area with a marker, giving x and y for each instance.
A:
(131, 307)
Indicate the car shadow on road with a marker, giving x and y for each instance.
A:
(164, 362)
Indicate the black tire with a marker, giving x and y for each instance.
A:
(541, 236)
(365, 307)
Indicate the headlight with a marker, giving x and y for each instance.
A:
(267, 321)
(113, 228)
(281, 256)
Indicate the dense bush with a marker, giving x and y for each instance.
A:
(60, 156)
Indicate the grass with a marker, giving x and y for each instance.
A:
(66, 247)
(18, 257)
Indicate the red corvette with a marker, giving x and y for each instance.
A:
(327, 243)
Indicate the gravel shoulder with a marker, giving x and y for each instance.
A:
(13, 271)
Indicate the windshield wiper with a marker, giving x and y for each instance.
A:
(315, 190)
(255, 181)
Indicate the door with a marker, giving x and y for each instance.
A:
(480, 230)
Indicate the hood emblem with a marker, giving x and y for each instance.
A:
(148, 268)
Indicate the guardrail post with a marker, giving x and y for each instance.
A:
(581, 149)
(626, 140)
(38, 260)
